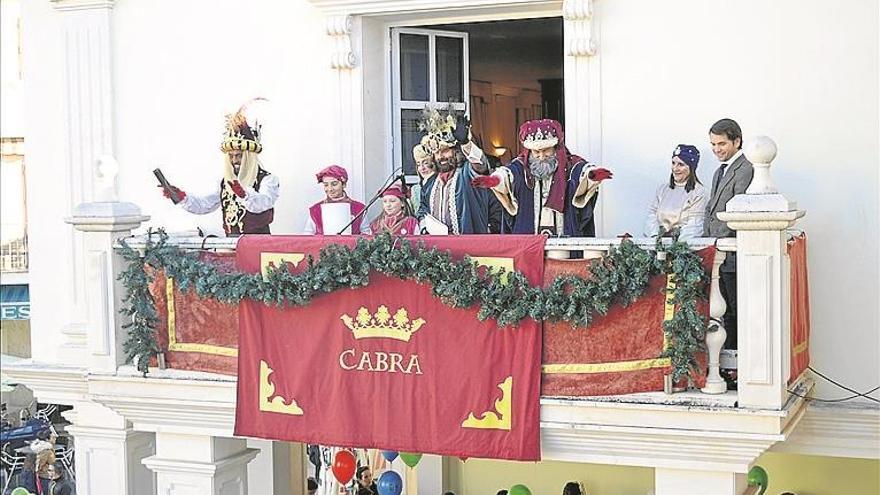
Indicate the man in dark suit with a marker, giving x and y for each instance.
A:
(732, 178)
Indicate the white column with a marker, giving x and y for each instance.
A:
(103, 223)
(87, 113)
(109, 452)
(271, 470)
(344, 32)
(427, 477)
(200, 464)
(583, 95)
(760, 218)
(688, 482)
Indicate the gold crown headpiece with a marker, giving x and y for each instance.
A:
(239, 134)
(438, 126)
(382, 324)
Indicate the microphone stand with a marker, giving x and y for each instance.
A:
(394, 177)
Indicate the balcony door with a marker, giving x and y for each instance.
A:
(429, 67)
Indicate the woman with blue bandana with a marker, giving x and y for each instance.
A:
(679, 204)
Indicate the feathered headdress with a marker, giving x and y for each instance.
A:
(239, 134)
(438, 126)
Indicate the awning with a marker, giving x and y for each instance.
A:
(15, 302)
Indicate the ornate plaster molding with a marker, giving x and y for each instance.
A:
(207, 469)
(760, 220)
(51, 383)
(339, 29)
(578, 16)
(82, 4)
(836, 430)
(358, 7)
(658, 448)
(170, 401)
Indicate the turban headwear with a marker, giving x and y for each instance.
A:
(688, 154)
(334, 171)
(239, 134)
(397, 191)
(539, 135)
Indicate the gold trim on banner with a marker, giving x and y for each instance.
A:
(494, 263)
(614, 367)
(620, 366)
(267, 391)
(500, 419)
(801, 347)
(277, 259)
(174, 345)
(669, 307)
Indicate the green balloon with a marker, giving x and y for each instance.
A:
(20, 491)
(410, 459)
(519, 490)
(758, 477)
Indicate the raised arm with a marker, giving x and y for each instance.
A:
(201, 205)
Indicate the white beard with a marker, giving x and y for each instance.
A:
(542, 169)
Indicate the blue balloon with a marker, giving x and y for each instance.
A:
(389, 455)
(390, 483)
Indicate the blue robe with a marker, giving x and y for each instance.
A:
(577, 222)
(425, 197)
(471, 203)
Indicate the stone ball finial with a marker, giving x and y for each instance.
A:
(760, 149)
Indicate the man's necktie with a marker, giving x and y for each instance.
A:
(720, 178)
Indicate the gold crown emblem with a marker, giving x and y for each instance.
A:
(382, 324)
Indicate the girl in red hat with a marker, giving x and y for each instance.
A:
(397, 217)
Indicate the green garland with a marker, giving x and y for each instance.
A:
(620, 277)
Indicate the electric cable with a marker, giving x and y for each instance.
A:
(841, 399)
(856, 393)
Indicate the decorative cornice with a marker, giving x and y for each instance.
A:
(688, 430)
(208, 469)
(682, 431)
(50, 383)
(95, 433)
(760, 220)
(66, 5)
(836, 430)
(123, 223)
(339, 29)
(170, 402)
(652, 447)
(361, 7)
(578, 16)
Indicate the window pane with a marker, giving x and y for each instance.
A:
(13, 227)
(413, 67)
(410, 135)
(450, 67)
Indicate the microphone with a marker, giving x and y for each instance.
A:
(385, 185)
(404, 187)
(167, 186)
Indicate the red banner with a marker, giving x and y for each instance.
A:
(620, 352)
(388, 366)
(800, 307)
(197, 333)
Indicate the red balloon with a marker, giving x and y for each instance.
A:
(344, 466)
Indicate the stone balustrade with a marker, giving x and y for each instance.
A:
(121, 417)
